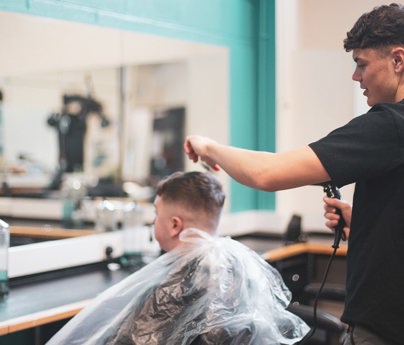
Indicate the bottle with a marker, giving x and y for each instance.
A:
(106, 216)
(73, 193)
(135, 235)
(4, 245)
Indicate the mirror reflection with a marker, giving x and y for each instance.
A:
(107, 107)
(84, 120)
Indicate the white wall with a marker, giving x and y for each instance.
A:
(315, 92)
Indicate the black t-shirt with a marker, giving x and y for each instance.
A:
(369, 151)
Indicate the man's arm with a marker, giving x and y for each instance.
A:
(260, 170)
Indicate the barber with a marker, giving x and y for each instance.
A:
(368, 151)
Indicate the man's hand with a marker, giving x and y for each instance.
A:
(196, 147)
(330, 206)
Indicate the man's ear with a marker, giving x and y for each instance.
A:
(398, 58)
(177, 225)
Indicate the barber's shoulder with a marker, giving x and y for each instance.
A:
(386, 117)
(388, 107)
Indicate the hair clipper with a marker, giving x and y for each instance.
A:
(333, 192)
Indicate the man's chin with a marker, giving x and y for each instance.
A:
(371, 102)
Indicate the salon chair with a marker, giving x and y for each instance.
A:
(293, 233)
(331, 292)
(329, 329)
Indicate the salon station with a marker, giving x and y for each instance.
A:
(95, 102)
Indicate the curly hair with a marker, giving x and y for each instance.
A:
(198, 191)
(381, 27)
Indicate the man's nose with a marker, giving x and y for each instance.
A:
(356, 75)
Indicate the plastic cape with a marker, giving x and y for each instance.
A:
(210, 290)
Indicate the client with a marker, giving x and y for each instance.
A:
(206, 290)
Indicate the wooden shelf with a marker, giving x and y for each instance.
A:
(48, 232)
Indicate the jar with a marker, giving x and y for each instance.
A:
(4, 246)
(134, 236)
(106, 216)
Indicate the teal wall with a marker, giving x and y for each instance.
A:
(246, 27)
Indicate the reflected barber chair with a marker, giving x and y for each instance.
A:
(71, 127)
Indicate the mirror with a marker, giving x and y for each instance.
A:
(136, 95)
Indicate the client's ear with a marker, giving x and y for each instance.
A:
(177, 225)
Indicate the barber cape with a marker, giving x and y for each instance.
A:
(210, 291)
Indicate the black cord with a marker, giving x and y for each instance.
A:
(332, 192)
(314, 327)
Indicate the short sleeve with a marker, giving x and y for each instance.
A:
(366, 147)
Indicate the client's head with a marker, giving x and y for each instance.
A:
(186, 200)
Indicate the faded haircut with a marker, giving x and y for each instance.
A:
(380, 28)
(198, 191)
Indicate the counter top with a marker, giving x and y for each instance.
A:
(47, 231)
(303, 248)
(52, 300)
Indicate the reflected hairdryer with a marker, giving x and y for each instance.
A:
(333, 192)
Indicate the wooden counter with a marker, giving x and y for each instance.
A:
(39, 303)
(41, 318)
(47, 232)
(303, 248)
